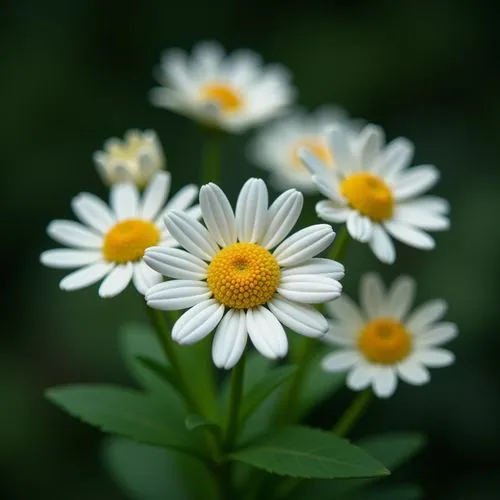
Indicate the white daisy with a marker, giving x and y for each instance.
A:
(136, 158)
(374, 192)
(112, 242)
(233, 92)
(229, 278)
(382, 341)
(276, 148)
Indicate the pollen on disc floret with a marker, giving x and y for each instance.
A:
(243, 275)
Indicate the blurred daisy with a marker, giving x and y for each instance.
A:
(276, 148)
(374, 192)
(110, 243)
(229, 278)
(233, 92)
(382, 342)
(136, 158)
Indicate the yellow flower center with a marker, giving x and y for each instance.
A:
(127, 150)
(127, 240)
(369, 195)
(243, 275)
(316, 146)
(226, 97)
(385, 341)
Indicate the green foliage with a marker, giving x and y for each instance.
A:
(124, 412)
(308, 453)
(161, 370)
(399, 492)
(150, 473)
(194, 422)
(263, 388)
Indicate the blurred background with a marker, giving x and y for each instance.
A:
(75, 73)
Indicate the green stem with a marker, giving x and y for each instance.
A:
(235, 396)
(162, 331)
(211, 157)
(353, 413)
(340, 244)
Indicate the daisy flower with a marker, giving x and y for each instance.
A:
(233, 92)
(110, 243)
(374, 192)
(229, 277)
(276, 148)
(383, 342)
(136, 158)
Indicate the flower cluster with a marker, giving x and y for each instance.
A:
(248, 272)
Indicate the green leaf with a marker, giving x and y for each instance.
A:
(161, 370)
(262, 389)
(146, 472)
(399, 492)
(309, 453)
(194, 422)
(393, 449)
(125, 412)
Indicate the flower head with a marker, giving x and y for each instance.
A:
(374, 192)
(241, 274)
(233, 92)
(276, 148)
(111, 242)
(137, 158)
(383, 341)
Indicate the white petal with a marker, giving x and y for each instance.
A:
(330, 212)
(328, 186)
(372, 295)
(316, 266)
(360, 376)
(400, 297)
(218, 214)
(425, 315)
(431, 204)
(117, 280)
(435, 358)
(413, 372)
(311, 161)
(340, 361)
(282, 216)
(384, 381)
(411, 213)
(177, 294)
(155, 195)
(86, 276)
(196, 323)
(381, 245)
(370, 142)
(93, 211)
(266, 333)
(298, 317)
(230, 339)
(309, 289)
(410, 235)
(304, 244)
(64, 258)
(359, 226)
(347, 312)
(339, 145)
(396, 157)
(74, 234)
(415, 181)
(125, 200)
(251, 211)
(144, 277)
(340, 334)
(437, 335)
(176, 263)
(191, 235)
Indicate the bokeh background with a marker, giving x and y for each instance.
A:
(75, 73)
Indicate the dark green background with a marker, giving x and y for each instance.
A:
(76, 72)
